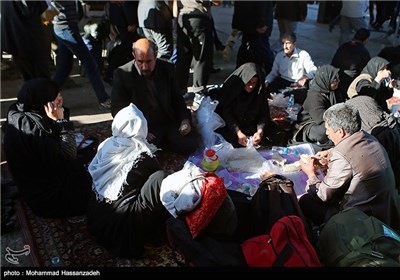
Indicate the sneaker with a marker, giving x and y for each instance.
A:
(106, 105)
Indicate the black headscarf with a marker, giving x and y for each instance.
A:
(374, 65)
(236, 82)
(35, 93)
(245, 72)
(323, 78)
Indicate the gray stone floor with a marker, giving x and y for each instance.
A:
(312, 36)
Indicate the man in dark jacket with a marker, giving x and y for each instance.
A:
(150, 84)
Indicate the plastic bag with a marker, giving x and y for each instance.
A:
(246, 159)
(208, 122)
(278, 100)
(181, 191)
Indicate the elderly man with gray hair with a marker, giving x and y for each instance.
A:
(359, 173)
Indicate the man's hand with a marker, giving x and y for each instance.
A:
(185, 127)
(132, 28)
(308, 167)
(302, 81)
(261, 30)
(150, 137)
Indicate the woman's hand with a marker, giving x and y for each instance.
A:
(382, 74)
(242, 138)
(54, 110)
(257, 138)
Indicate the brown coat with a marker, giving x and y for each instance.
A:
(360, 175)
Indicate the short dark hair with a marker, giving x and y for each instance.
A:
(362, 34)
(289, 36)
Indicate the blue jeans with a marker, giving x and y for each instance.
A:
(70, 43)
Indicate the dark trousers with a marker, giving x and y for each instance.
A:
(169, 138)
(194, 41)
(256, 48)
(278, 84)
(70, 43)
(315, 209)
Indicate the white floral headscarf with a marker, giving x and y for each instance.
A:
(119, 153)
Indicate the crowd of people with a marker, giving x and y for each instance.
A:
(119, 190)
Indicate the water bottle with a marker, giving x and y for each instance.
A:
(210, 161)
(290, 103)
(291, 109)
(386, 81)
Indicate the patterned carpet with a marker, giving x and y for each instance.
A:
(67, 242)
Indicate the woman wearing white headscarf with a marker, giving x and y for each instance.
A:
(125, 208)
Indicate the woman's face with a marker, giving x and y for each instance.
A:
(249, 87)
(335, 83)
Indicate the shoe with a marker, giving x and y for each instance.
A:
(106, 105)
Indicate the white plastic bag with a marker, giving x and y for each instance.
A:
(246, 159)
(208, 122)
(181, 191)
(278, 100)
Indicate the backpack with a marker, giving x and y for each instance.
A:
(286, 245)
(351, 238)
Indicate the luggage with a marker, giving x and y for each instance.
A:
(351, 238)
(286, 245)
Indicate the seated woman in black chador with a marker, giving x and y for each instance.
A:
(41, 152)
(321, 95)
(243, 105)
